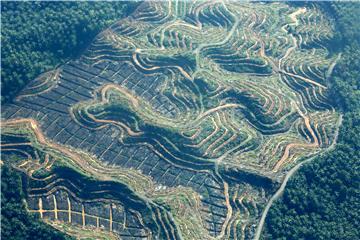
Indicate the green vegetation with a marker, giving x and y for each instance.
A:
(183, 109)
(37, 36)
(322, 200)
(16, 222)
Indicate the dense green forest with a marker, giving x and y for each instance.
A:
(322, 201)
(37, 36)
(16, 222)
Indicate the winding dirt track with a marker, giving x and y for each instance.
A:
(297, 145)
(101, 172)
(40, 136)
(280, 191)
(124, 91)
(42, 140)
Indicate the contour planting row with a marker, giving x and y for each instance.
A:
(315, 30)
(212, 198)
(196, 105)
(41, 84)
(212, 133)
(86, 191)
(165, 174)
(247, 203)
(57, 192)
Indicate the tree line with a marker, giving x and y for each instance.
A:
(37, 36)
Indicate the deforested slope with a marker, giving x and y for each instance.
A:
(192, 111)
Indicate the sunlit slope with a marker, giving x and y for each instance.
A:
(197, 109)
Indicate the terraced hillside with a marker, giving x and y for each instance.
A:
(178, 122)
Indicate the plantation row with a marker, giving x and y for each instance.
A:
(60, 193)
